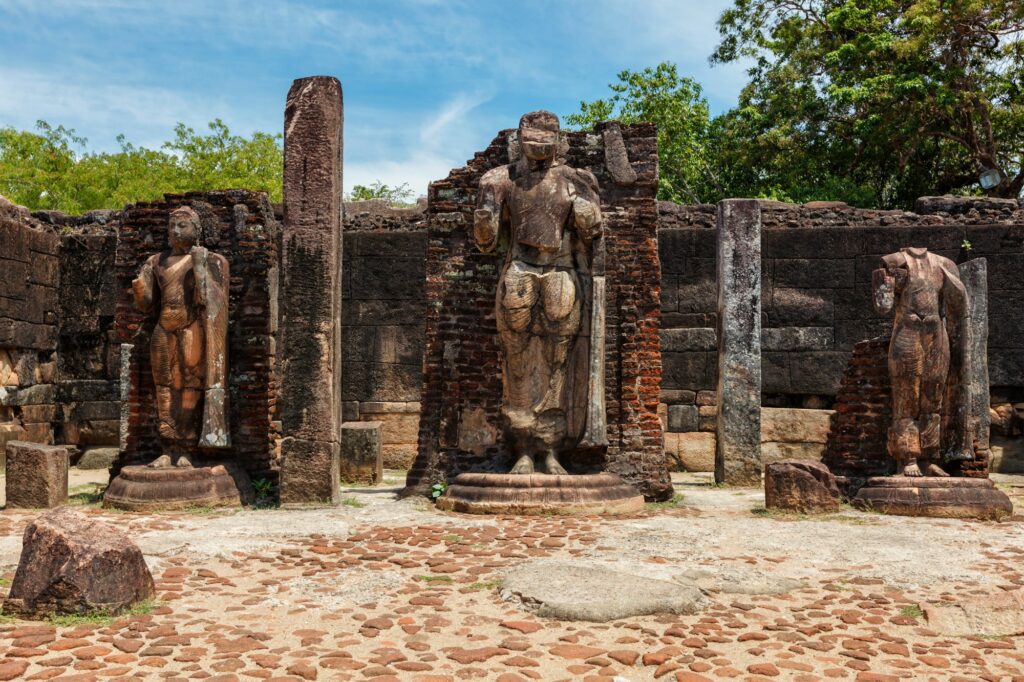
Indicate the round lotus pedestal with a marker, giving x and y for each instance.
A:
(142, 488)
(540, 494)
(954, 498)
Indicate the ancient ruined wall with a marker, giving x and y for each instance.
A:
(382, 322)
(239, 225)
(816, 293)
(28, 326)
(459, 428)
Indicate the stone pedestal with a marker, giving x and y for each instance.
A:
(478, 493)
(957, 498)
(360, 453)
(142, 488)
(37, 475)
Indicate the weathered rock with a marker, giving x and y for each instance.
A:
(690, 451)
(801, 486)
(738, 445)
(144, 488)
(97, 458)
(580, 591)
(72, 564)
(794, 425)
(310, 356)
(995, 615)
(37, 475)
(360, 453)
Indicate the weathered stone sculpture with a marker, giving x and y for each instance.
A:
(188, 286)
(550, 298)
(930, 304)
(934, 384)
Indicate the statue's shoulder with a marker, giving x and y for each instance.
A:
(947, 264)
(497, 175)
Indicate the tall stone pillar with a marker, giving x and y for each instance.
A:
(974, 275)
(310, 295)
(738, 452)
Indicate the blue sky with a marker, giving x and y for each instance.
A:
(426, 82)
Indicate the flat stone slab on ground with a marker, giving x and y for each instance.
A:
(996, 615)
(581, 591)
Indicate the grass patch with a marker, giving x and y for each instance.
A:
(486, 585)
(912, 611)
(5, 582)
(86, 494)
(453, 538)
(671, 503)
(436, 578)
(101, 617)
(352, 502)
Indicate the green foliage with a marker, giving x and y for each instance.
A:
(53, 169)
(86, 494)
(437, 490)
(912, 611)
(264, 490)
(675, 103)
(353, 502)
(873, 102)
(102, 617)
(378, 190)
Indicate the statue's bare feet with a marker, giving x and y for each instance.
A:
(160, 462)
(553, 466)
(912, 470)
(935, 470)
(183, 462)
(524, 465)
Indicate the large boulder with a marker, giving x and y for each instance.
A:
(800, 485)
(73, 564)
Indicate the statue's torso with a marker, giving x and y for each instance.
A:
(539, 207)
(922, 293)
(177, 282)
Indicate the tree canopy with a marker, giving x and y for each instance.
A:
(874, 102)
(53, 169)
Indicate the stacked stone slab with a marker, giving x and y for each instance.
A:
(360, 453)
(37, 475)
(29, 311)
(462, 391)
(311, 405)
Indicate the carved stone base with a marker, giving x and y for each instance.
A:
(141, 488)
(540, 494)
(957, 498)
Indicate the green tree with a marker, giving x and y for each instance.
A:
(875, 101)
(378, 190)
(53, 169)
(675, 103)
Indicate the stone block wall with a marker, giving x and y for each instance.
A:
(462, 377)
(383, 309)
(817, 261)
(239, 225)
(29, 312)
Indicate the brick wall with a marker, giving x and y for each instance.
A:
(383, 322)
(459, 427)
(29, 312)
(239, 225)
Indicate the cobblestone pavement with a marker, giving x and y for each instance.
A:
(391, 590)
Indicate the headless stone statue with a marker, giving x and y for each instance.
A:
(549, 304)
(189, 287)
(930, 304)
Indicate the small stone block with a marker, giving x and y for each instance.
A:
(360, 459)
(37, 475)
(683, 418)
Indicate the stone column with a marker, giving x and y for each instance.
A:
(310, 294)
(974, 275)
(738, 451)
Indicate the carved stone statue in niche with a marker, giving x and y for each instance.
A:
(188, 287)
(929, 401)
(550, 298)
